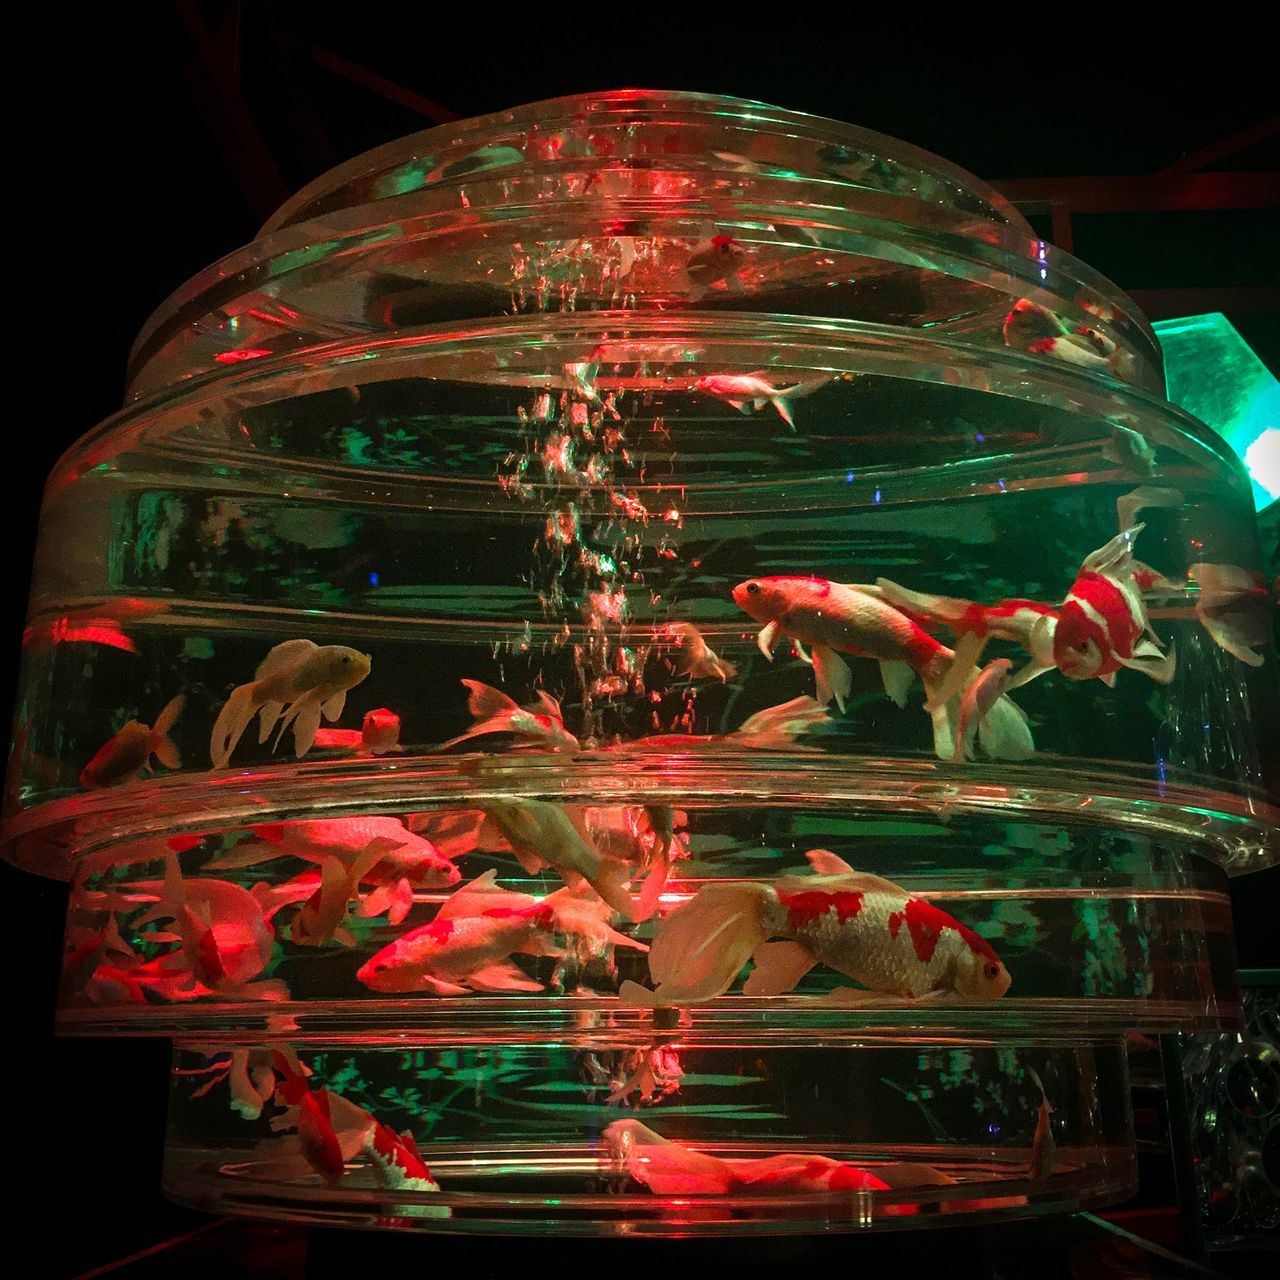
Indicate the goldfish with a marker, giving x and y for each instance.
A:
(127, 753)
(1234, 607)
(330, 1130)
(225, 939)
(651, 1074)
(697, 658)
(1131, 450)
(715, 258)
(829, 616)
(1100, 626)
(379, 734)
(99, 623)
(848, 920)
(980, 696)
(778, 727)
(469, 944)
(405, 861)
(1031, 327)
(296, 683)
(544, 834)
(1043, 1147)
(323, 916)
(397, 1160)
(541, 724)
(251, 1076)
(672, 1169)
(745, 392)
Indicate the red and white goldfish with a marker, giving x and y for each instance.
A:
(379, 734)
(1234, 607)
(860, 925)
(397, 1160)
(469, 944)
(225, 936)
(1031, 327)
(331, 1131)
(672, 1169)
(715, 258)
(697, 659)
(129, 751)
(830, 616)
(252, 1076)
(541, 724)
(1100, 626)
(746, 392)
(542, 834)
(295, 684)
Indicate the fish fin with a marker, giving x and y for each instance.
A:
(168, 717)
(502, 977)
(779, 966)
(968, 653)
(801, 654)
(306, 724)
(666, 1168)
(1145, 496)
(440, 986)
(375, 902)
(283, 656)
(166, 751)
(1161, 667)
(500, 723)
(550, 706)
(1114, 554)
(783, 406)
(1031, 671)
(1220, 584)
(1238, 646)
(271, 712)
(1109, 679)
(1004, 734)
(231, 723)
(701, 947)
(475, 896)
(610, 882)
(541, 945)
(944, 720)
(826, 863)
(651, 890)
(832, 676)
(845, 882)
(529, 862)
(769, 635)
(1040, 640)
(401, 901)
(332, 709)
(484, 701)
(897, 677)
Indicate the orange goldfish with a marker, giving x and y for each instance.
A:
(129, 751)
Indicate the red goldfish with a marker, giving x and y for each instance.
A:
(294, 685)
(858, 924)
(697, 658)
(672, 1169)
(379, 734)
(468, 946)
(129, 751)
(540, 725)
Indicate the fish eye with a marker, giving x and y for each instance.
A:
(1082, 647)
(992, 970)
(753, 588)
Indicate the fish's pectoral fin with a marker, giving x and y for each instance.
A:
(1040, 639)
(332, 709)
(306, 724)
(1031, 671)
(897, 677)
(779, 966)
(504, 976)
(769, 636)
(269, 714)
(832, 676)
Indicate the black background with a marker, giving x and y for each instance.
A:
(123, 187)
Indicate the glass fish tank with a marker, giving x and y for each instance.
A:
(646, 664)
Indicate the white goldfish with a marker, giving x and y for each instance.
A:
(296, 683)
(469, 944)
(541, 724)
(129, 751)
(697, 658)
(715, 258)
(745, 392)
(976, 704)
(1234, 607)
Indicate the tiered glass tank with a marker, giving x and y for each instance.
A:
(646, 664)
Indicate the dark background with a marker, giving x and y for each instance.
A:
(159, 137)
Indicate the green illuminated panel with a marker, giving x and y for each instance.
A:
(1213, 373)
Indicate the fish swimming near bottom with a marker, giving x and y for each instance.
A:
(378, 734)
(860, 925)
(672, 1169)
(697, 658)
(541, 724)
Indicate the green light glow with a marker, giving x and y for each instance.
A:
(1212, 372)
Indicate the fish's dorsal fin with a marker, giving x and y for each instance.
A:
(283, 656)
(826, 863)
(549, 706)
(1113, 554)
(468, 899)
(844, 882)
(484, 700)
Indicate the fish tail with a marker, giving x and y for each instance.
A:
(955, 673)
(666, 1168)
(610, 882)
(702, 946)
(1004, 732)
(500, 723)
(944, 712)
(232, 721)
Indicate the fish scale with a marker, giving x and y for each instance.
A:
(869, 936)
